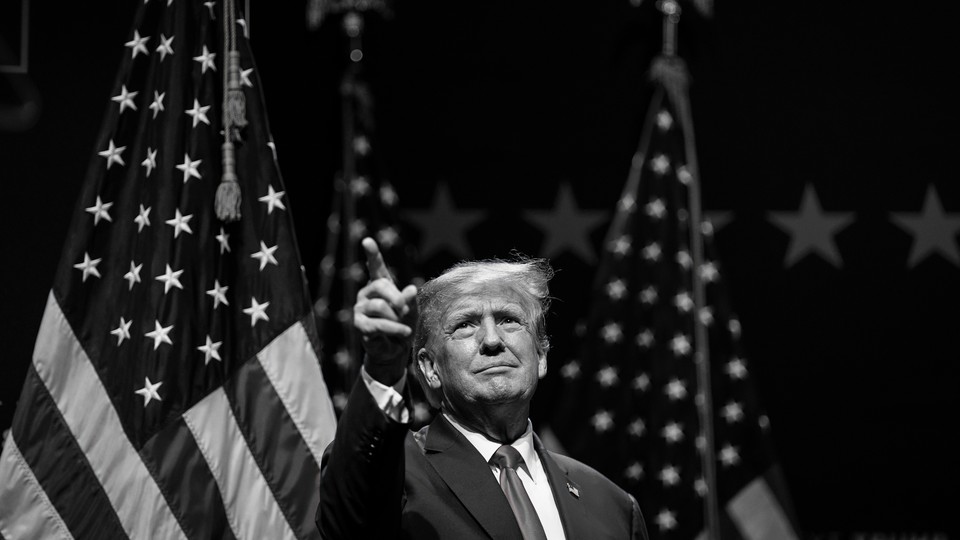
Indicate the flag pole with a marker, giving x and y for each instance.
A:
(674, 75)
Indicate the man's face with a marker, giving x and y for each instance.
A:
(485, 350)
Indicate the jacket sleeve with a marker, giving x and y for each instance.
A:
(361, 476)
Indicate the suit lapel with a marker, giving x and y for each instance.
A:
(567, 494)
(462, 468)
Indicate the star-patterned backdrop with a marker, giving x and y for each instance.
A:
(825, 139)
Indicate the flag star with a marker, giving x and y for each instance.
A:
(265, 255)
(641, 382)
(672, 432)
(100, 210)
(683, 302)
(125, 99)
(660, 164)
(656, 209)
(210, 349)
(245, 77)
(149, 391)
(729, 455)
(627, 203)
(602, 421)
(611, 333)
(179, 223)
(634, 471)
(387, 237)
(165, 47)
(123, 331)
(444, 226)
(219, 294)
(143, 218)
(664, 120)
(616, 289)
(189, 168)
(210, 5)
(339, 400)
(732, 412)
(648, 295)
(355, 272)
(684, 175)
(708, 272)
(359, 186)
(151, 161)
(358, 229)
(157, 105)
(734, 327)
(670, 476)
(811, 230)
(273, 149)
(570, 370)
(223, 238)
(636, 428)
(198, 113)
(137, 44)
(387, 195)
(272, 200)
(160, 334)
(170, 279)
(257, 311)
(700, 486)
(206, 60)
(666, 520)
(88, 267)
(620, 246)
(676, 390)
(706, 316)
(133, 276)
(736, 368)
(645, 339)
(361, 145)
(652, 252)
(684, 260)
(113, 154)
(342, 358)
(933, 230)
(607, 376)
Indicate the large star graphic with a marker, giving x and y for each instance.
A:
(443, 226)
(812, 230)
(567, 228)
(933, 230)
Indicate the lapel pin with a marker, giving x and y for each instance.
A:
(573, 490)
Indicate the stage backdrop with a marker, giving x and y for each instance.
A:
(825, 137)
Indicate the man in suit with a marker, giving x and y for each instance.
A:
(478, 336)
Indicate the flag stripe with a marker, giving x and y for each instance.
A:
(179, 467)
(294, 371)
(76, 388)
(251, 508)
(25, 511)
(59, 466)
(757, 513)
(288, 463)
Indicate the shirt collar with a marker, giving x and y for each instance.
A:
(486, 447)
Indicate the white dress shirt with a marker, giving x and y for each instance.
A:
(532, 475)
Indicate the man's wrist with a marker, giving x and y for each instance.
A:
(385, 372)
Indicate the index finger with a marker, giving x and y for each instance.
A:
(375, 265)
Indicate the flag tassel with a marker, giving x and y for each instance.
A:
(228, 197)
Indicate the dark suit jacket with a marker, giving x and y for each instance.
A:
(381, 481)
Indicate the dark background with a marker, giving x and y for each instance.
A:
(857, 364)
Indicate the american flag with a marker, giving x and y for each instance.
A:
(364, 204)
(643, 415)
(175, 389)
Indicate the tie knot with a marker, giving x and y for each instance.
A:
(507, 457)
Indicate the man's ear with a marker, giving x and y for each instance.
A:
(428, 367)
(542, 365)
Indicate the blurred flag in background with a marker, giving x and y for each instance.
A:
(637, 408)
(175, 389)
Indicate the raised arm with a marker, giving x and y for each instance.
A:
(361, 485)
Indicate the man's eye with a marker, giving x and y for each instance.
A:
(462, 324)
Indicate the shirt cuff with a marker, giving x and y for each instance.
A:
(388, 398)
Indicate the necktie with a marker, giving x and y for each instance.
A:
(508, 459)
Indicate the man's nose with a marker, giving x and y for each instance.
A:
(491, 342)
